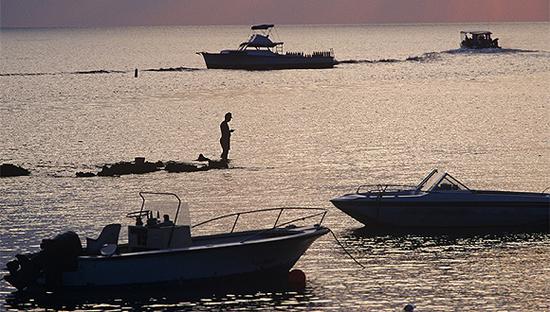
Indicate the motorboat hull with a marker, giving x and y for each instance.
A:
(164, 252)
(432, 210)
(247, 61)
(202, 262)
(480, 46)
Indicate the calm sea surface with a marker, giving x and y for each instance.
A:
(404, 102)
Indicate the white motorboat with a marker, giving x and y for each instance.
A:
(165, 252)
(478, 40)
(259, 52)
(441, 201)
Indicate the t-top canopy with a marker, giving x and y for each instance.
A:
(476, 32)
(261, 26)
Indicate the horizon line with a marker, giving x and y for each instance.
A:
(283, 24)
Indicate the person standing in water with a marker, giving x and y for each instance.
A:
(225, 140)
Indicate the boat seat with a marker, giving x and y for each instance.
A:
(109, 235)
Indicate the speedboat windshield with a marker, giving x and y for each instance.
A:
(440, 181)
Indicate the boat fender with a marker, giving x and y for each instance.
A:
(297, 279)
(108, 250)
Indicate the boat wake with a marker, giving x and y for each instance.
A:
(426, 57)
(433, 56)
(429, 56)
(368, 61)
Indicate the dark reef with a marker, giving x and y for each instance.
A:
(9, 170)
(140, 166)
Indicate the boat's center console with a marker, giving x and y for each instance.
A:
(145, 237)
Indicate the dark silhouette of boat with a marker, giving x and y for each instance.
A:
(259, 52)
(441, 201)
(478, 40)
(162, 252)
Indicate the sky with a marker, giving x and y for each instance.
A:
(105, 13)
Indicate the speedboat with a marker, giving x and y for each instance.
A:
(160, 252)
(259, 52)
(478, 40)
(441, 201)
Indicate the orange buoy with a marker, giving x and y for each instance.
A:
(297, 279)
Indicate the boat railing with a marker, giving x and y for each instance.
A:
(329, 53)
(383, 188)
(320, 213)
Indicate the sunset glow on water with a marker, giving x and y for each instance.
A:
(403, 101)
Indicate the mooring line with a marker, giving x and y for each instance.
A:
(345, 250)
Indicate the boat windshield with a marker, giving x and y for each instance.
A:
(166, 208)
(441, 181)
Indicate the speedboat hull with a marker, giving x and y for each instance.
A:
(427, 210)
(247, 61)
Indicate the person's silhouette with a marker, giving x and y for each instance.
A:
(225, 140)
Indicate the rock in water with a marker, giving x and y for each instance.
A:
(140, 166)
(218, 164)
(9, 170)
(81, 174)
(173, 166)
(202, 158)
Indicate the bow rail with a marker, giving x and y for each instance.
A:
(320, 212)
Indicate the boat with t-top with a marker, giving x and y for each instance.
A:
(162, 251)
(259, 52)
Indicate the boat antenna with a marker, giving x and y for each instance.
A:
(345, 250)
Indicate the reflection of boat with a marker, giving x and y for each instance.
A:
(477, 40)
(165, 252)
(440, 200)
(260, 53)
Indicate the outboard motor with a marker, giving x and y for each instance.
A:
(57, 255)
(60, 255)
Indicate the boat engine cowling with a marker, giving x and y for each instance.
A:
(56, 256)
(60, 255)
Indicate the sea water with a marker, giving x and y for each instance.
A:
(403, 100)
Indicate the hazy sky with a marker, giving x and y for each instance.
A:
(83, 13)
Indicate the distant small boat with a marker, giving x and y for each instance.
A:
(164, 252)
(478, 40)
(441, 201)
(260, 53)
